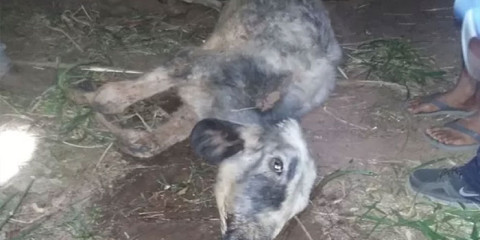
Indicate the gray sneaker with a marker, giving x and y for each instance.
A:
(445, 186)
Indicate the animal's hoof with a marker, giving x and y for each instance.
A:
(139, 144)
(139, 151)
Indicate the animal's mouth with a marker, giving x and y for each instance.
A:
(246, 233)
(240, 227)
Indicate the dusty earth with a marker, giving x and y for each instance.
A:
(85, 189)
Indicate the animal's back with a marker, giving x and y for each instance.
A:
(289, 26)
(264, 47)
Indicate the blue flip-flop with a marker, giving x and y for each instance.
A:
(443, 108)
(459, 128)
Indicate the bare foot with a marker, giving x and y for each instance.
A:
(453, 137)
(462, 97)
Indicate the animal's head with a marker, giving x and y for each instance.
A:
(265, 175)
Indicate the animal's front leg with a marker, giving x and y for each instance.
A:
(290, 105)
(115, 97)
(146, 144)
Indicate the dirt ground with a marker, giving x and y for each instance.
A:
(88, 190)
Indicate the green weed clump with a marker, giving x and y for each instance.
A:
(394, 60)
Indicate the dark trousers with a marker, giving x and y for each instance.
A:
(471, 172)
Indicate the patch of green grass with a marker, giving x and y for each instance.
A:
(8, 209)
(394, 60)
(443, 222)
(73, 122)
(81, 224)
(434, 221)
(195, 189)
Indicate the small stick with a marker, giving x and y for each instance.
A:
(38, 99)
(407, 24)
(21, 116)
(242, 109)
(367, 41)
(144, 123)
(112, 70)
(438, 9)
(103, 155)
(10, 106)
(343, 121)
(68, 36)
(342, 72)
(80, 146)
(303, 228)
(86, 13)
(12, 213)
(397, 14)
(392, 85)
(87, 68)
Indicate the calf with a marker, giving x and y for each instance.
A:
(267, 63)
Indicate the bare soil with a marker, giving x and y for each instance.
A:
(363, 127)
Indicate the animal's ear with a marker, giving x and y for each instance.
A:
(215, 140)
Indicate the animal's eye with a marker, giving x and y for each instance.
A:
(276, 165)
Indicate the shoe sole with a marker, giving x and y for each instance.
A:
(468, 206)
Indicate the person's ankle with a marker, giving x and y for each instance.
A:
(468, 86)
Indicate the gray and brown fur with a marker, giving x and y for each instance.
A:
(259, 49)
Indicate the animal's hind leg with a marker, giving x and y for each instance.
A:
(145, 144)
(115, 97)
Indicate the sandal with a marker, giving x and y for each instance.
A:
(459, 128)
(443, 108)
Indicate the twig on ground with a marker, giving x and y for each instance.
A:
(343, 73)
(86, 68)
(242, 109)
(309, 236)
(367, 41)
(20, 116)
(68, 36)
(86, 13)
(14, 211)
(438, 9)
(147, 127)
(37, 101)
(392, 85)
(215, 4)
(317, 191)
(80, 146)
(398, 14)
(10, 106)
(343, 121)
(103, 156)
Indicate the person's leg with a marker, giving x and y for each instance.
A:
(460, 97)
(460, 184)
(471, 173)
(452, 136)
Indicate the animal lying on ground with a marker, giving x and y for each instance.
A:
(266, 64)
